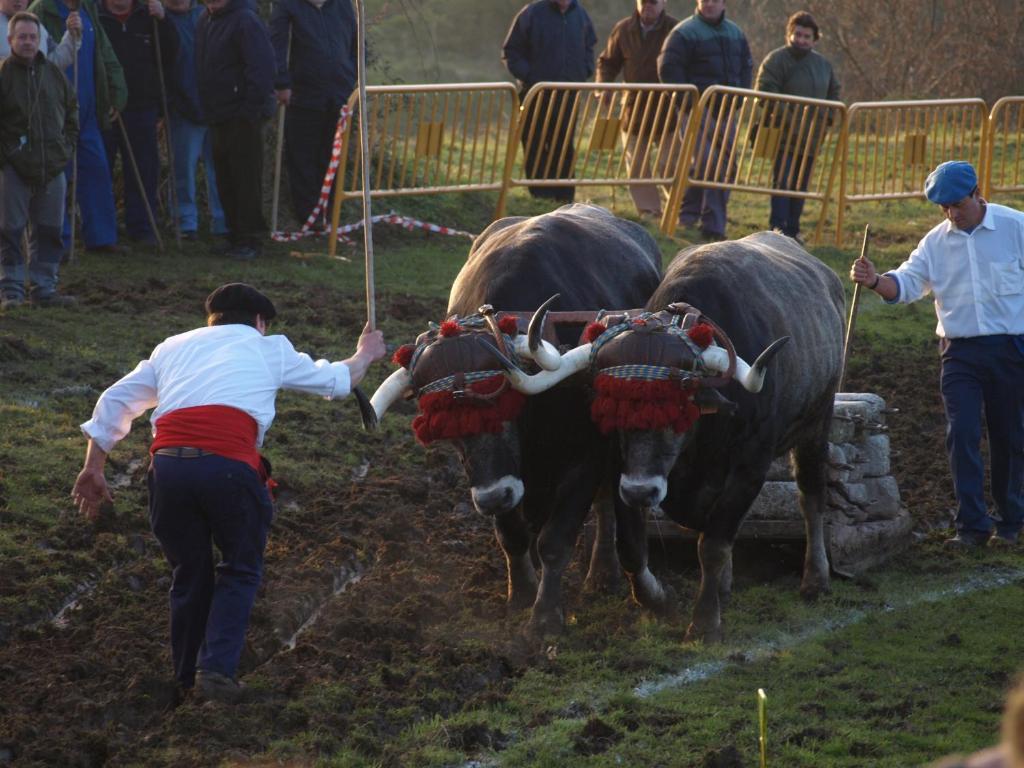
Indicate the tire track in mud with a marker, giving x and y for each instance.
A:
(978, 582)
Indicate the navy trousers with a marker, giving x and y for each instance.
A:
(786, 211)
(193, 501)
(140, 126)
(985, 373)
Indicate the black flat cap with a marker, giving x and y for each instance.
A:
(240, 297)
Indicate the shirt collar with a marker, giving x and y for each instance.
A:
(987, 222)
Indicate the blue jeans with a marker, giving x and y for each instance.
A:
(191, 141)
(43, 210)
(786, 211)
(714, 162)
(191, 502)
(977, 372)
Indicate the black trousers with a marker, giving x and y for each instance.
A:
(238, 162)
(308, 138)
(548, 129)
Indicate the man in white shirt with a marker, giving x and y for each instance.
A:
(213, 391)
(973, 264)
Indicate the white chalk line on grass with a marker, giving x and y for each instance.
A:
(978, 582)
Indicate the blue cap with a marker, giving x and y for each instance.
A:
(950, 182)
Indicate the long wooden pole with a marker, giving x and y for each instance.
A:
(275, 201)
(73, 201)
(364, 154)
(852, 320)
(138, 180)
(167, 136)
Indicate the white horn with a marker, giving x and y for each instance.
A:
(390, 390)
(572, 362)
(750, 376)
(546, 356)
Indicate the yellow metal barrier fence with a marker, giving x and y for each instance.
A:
(428, 139)
(890, 147)
(1004, 155)
(749, 141)
(598, 134)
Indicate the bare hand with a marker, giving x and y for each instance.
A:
(74, 24)
(371, 344)
(863, 271)
(156, 8)
(91, 492)
(284, 96)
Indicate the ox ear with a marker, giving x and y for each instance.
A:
(713, 401)
(390, 390)
(750, 376)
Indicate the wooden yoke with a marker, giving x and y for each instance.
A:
(556, 320)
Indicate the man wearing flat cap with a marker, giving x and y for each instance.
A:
(973, 264)
(213, 391)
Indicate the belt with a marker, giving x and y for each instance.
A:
(182, 453)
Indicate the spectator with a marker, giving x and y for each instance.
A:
(235, 66)
(190, 136)
(973, 264)
(129, 26)
(796, 69)
(213, 390)
(633, 49)
(60, 54)
(101, 92)
(550, 40)
(38, 128)
(707, 49)
(314, 82)
(1010, 751)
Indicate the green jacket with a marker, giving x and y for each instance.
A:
(38, 119)
(111, 90)
(810, 76)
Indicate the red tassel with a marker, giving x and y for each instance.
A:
(509, 325)
(450, 328)
(403, 355)
(592, 331)
(702, 335)
(444, 417)
(630, 404)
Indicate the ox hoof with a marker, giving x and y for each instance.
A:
(811, 591)
(545, 624)
(665, 605)
(521, 599)
(707, 635)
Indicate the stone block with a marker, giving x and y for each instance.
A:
(855, 548)
(778, 500)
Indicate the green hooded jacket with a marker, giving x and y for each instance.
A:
(111, 90)
(40, 119)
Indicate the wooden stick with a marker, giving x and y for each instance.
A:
(138, 180)
(73, 6)
(280, 146)
(851, 321)
(364, 153)
(167, 137)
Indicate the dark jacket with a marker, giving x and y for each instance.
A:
(704, 53)
(234, 64)
(546, 44)
(635, 55)
(132, 41)
(321, 72)
(182, 84)
(38, 119)
(111, 90)
(798, 74)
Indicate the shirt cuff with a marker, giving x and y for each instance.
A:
(92, 431)
(899, 288)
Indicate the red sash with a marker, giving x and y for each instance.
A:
(219, 429)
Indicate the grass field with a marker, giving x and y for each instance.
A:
(381, 638)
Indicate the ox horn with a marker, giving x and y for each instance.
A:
(544, 354)
(573, 361)
(390, 390)
(750, 376)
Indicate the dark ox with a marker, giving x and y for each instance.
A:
(760, 289)
(539, 474)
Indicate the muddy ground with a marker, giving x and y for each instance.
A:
(400, 586)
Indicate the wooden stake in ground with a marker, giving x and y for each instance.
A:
(167, 136)
(851, 321)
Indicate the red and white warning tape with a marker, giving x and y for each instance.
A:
(391, 217)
